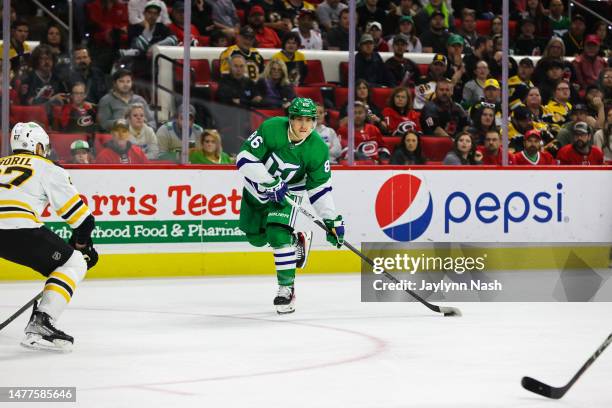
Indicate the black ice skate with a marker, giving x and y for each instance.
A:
(285, 300)
(302, 243)
(42, 335)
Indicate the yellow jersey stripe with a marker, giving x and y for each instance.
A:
(68, 204)
(17, 203)
(78, 215)
(64, 278)
(58, 289)
(21, 215)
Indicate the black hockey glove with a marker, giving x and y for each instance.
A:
(89, 252)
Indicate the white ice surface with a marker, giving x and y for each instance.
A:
(217, 342)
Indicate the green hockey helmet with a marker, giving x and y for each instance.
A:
(303, 107)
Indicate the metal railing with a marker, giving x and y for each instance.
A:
(573, 3)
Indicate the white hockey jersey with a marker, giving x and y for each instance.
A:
(28, 183)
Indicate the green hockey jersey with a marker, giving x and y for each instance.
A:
(304, 166)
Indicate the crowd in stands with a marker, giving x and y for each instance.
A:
(99, 97)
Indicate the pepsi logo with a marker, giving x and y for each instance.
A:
(404, 207)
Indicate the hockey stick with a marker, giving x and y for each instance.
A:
(20, 311)
(546, 390)
(448, 311)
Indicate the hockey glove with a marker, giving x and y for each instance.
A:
(89, 252)
(336, 236)
(276, 190)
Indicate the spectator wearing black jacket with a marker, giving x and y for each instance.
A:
(442, 116)
(96, 82)
(408, 150)
(236, 88)
(435, 38)
(369, 64)
(274, 85)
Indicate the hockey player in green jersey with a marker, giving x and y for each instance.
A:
(285, 156)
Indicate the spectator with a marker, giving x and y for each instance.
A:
(142, 36)
(211, 151)
(219, 39)
(55, 40)
(80, 152)
(136, 11)
(236, 88)
(463, 152)
(527, 43)
(177, 26)
(442, 116)
(366, 134)
(496, 26)
(329, 13)
(274, 85)
(363, 95)
(244, 47)
(595, 107)
(42, 85)
(426, 89)
(485, 122)
(535, 13)
(328, 135)
(406, 8)
(574, 38)
(202, 18)
(170, 135)
(603, 137)
(369, 11)
(294, 7)
(264, 36)
(435, 39)
(468, 28)
(275, 16)
(408, 30)
(589, 64)
(557, 19)
(558, 108)
(110, 21)
(13, 95)
(408, 151)
(338, 37)
(532, 153)
(456, 67)
(521, 121)
(482, 49)
(605, 39)
(224, 16)
(120, 150)
(580, 152)
(84, 71)
(19, 52)
(404, 71)
(554, 51)
(141, 134)
(309, 37)
(369, 64)
(113, 105)
(473, 91)
(533, 102)
(293, 59)
(554, 75)
(491, 99)
(522, 78)
(374, 28)
(605, 85)
(78, 116)
(491, 151)
(399, 114)
(579, 113)
(423, 18)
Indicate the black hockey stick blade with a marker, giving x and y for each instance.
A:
(20, 311)
(547, 391)
(445, 310)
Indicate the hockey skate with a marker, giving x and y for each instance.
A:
(302, 243)
(285, 300)
(42, 335)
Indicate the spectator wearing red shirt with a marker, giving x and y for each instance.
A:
(365, 133)
(491, 151)
(532, 153)
(110, 19)
(265, 37)
(177, 27)
(581, 152)
(119, 150)
(589, 64)
(399, 113)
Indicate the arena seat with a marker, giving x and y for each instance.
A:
(340, 96)
(333, 118)
(434, 148)
(215, 69)
(199, 67)
(33, 113)
(343, 67)
(380, 96)
(259, 115)
(313, 93)
(101, 139)
(391, 142)
(60, 142)
(315, 75)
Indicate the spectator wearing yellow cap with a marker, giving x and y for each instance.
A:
(491, 99)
